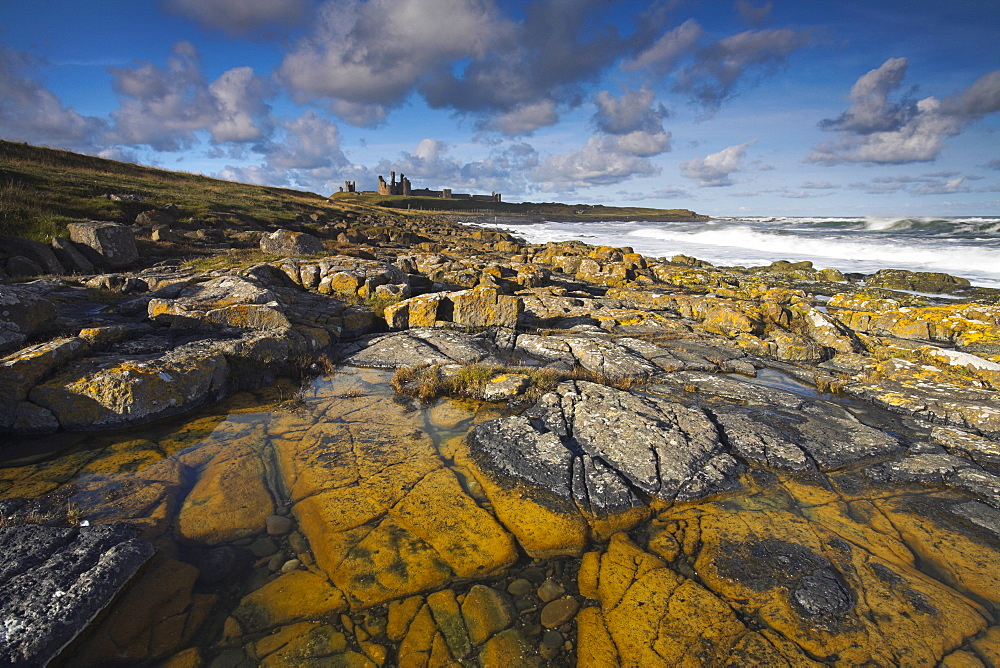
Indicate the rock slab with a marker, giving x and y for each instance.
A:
(56, 581)
(110, 244)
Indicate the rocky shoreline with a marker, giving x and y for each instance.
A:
(631, 399)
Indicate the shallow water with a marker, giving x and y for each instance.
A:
(187, 481)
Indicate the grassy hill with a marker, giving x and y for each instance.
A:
(42, 189)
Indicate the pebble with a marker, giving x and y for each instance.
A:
(290, 565)
(275, 563)
(558, 612)
(533, 574)
(550, 590)
(520, 587)
(298, 542)
(263, 547)
(553, 639)
(278, 525)
(548, 653)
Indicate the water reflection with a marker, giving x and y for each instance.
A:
(341, 524)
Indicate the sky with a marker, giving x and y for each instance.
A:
(763, 108)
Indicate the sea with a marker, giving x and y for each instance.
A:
(967, 247)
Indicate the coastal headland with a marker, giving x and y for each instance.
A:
(268, 427)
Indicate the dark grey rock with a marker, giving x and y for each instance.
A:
(420, 346)
(55, 581)
(19, 266)
(820, 593)
(607, 449)
(71, 257)
(35, 251)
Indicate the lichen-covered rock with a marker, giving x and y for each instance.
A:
(105, 243)
(23, 370)
(917, 281)
(286, 242)
(56, 581)
(110, 392)
(484, 307)
(23, 314)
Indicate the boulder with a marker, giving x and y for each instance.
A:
(19, 266)
(23, 314)
(71, 257)
(105, 243)
(917, 281)
(35, 251)
(119, 391)
(286, 242)
(56, 581)
(23, 370)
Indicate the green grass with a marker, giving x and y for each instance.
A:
(43, 189)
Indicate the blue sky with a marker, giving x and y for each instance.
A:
(783, 107)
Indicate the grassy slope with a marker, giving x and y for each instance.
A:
(42, 189)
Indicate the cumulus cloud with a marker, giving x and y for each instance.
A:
(719, 68)
(717, 169)
(878, 130)
(238, 17)
(463, 55)
(599, 162)
(634, 111)
(818, 185)
(163, 107)
(31, 112)
(430, 165)
(524, 119)
(631, 132)
(374, 53)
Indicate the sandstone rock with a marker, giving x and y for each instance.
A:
(230, 500)
(292, 596)
(56, 581)
(23, 314)
(286, 242)
(486, 612)
(106, 393)
(105, 243)
(484, 307)
(21, 371)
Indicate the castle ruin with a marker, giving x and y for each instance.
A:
(404, 188)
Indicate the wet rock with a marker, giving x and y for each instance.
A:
(286, 242)
(55, 581)
(230, 500)
(558, 612)
(278, 525)
(550, 590)
(104, 243)
(486, 612)
(106, 393)
(520, 587)
(299, 594)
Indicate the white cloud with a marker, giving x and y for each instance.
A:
(600, 162)
(877, 130)
(239, 17)
(31, 112)
(717, 169)
(164, 107)
(374, 53)
(633, 111)
(524, 119)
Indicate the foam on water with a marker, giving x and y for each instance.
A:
(968, 247)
